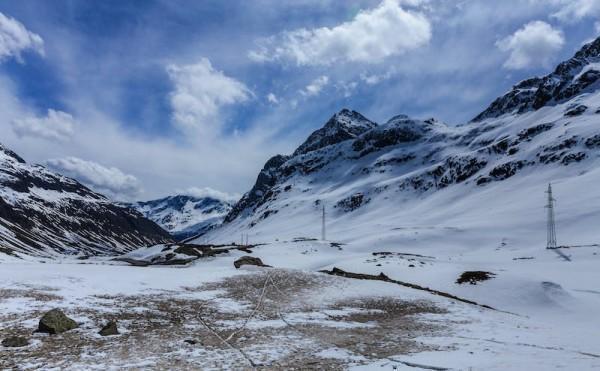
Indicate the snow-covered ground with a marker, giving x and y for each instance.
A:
(546, 317)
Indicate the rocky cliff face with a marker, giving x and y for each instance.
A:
(44, 213)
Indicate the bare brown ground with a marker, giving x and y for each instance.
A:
(278, 324)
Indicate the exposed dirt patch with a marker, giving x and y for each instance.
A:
(270, 319)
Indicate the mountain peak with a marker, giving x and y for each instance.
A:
(342, 126)
(590, 50)
(571, 78)
(11, 154)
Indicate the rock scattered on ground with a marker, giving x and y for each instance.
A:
(249, 260)
(473, 277)
(56, 322)
(15, 342)
(109, 329)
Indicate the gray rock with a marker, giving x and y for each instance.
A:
(56, 322)
(109, 329)
(249, 260)
(15, 342)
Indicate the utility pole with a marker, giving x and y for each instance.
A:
(551, 220)
(323, 234)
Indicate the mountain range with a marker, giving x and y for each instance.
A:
(410, 170)
(185, 216)
(406, 171)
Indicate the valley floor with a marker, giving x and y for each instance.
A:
(211, 316)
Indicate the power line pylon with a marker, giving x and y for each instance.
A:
(551, 220)
(323, 231)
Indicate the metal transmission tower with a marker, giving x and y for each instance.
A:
(323, 235)
(551, 220)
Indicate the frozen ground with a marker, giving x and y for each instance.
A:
(291, 316)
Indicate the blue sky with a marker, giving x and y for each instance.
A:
(143, 98)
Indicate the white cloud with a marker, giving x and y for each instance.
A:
(272, 98)
(370, 37)
(161, 163)
(346, 87)
(374, 79)
(531, 46)
(200, 92)
(575, 10)
(15, 38)
(315, 87)
(108, 180)
(56, 126)
(211, 193)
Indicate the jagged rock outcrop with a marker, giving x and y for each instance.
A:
(267, 178)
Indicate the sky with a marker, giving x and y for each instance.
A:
(140, 99)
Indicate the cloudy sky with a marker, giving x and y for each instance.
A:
(140, 99)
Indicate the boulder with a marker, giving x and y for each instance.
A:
(56, 322)
(109, 329)
(473, 277)
(249, 260)
(15, 342)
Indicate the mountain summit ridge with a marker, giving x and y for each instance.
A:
(344, 125)
(573, 77)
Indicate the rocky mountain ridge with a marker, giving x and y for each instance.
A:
(571, 78)
(44, 213)
(408, 158)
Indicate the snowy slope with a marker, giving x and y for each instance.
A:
(184, 216)
(491, 172)
(43, 213)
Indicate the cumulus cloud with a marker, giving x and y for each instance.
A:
(531, 46)
(370, 37)
(315, 87)
(107, 180)
(55, 126)
(199, 93)
(574, 10)
(210, 193)
(15, 39)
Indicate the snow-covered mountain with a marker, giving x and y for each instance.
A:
(184, 215)
(414, 171)
(44, 213)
